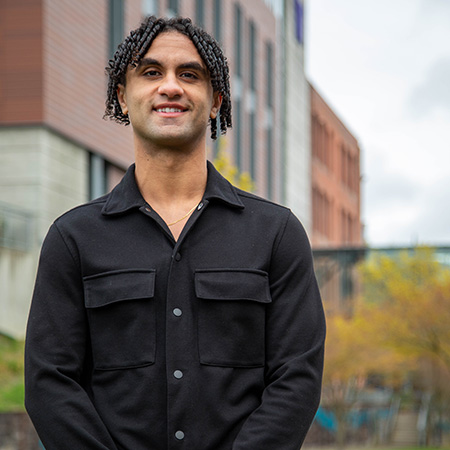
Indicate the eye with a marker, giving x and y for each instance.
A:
(189, 75)
(151, 73)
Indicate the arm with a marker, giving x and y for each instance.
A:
(56, 341)
(295, 333)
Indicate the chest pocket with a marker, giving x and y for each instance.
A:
(231, 317)
(122, 318)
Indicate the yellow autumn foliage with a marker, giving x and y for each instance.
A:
(224, 165)
(409, 298)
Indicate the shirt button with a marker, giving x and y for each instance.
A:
(177, 312)
(178, 374)
(148, 209)
(179, 435)
(178, 257)
(200, 206)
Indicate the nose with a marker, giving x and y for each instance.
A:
(170, 86)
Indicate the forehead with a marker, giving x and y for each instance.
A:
(173, 46)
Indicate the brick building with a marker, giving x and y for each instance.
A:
(335, 169)
(336, 233)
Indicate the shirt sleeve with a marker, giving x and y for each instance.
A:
(55, 351)
(295, 334)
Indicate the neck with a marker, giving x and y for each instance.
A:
(171, 179)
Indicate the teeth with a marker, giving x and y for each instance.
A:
(169, 110)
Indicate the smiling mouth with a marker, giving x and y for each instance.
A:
(170, 110)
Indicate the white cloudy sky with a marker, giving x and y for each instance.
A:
(384, 68)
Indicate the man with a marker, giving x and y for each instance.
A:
(176, 312)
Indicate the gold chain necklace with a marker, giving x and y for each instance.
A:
(184, 217)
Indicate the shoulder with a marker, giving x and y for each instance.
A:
(268, 209)
(260, 203)
(271, 214)
(88, 211)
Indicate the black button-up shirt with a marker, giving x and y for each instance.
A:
(137, 341)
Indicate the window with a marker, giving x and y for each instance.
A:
(269, 150)
(252, 52)
(349, 168)
(322, 142)
(269, 74)
(354, 172)
(252, 98)
(217, 30)
(238, 39)
(238, 84)
(322, 213)
(98, 182)
(216, 143)
(238, 133)
(298, 7)
(116, 26)
(218, 20)
(269, 124)
(343, 164)
(150, 8)
(173, 7)
(200, 12)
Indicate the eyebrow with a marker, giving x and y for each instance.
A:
(194, 65)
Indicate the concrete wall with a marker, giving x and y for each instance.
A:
(297, 124)
(41, 176)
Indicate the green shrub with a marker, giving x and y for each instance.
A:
(11, 374)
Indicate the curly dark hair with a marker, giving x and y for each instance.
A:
(136, 45)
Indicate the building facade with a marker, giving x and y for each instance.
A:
(296, 142)
(336, 232)
(56, 151)
(335, 180)
(247, 31)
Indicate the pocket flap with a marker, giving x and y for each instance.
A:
(116, 286)
(233, 284)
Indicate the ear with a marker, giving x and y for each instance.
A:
(121, 96)
(217, 103)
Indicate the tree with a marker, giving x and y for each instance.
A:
(408, 297)
(224, 165)
(344, 372)
(352, 355)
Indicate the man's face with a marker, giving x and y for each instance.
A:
(168, 96)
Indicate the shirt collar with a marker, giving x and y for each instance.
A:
(126, 195)
(217, 187)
